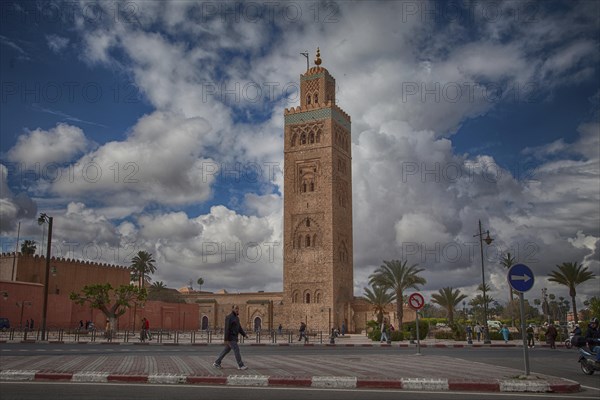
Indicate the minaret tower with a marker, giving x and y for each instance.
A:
(318, 262)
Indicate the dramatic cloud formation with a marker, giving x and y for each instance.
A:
(197, 179)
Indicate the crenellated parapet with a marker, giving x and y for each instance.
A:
(316, 106)
(37, 258)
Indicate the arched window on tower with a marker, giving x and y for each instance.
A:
(318, 136)
(316, 98)
(312, 186)
(317, 297)
(307, 298)
(295, 297)
(307, 222)
(308, 99)
(307, 241)
(294, 138)
(311, 139)
(303, 138)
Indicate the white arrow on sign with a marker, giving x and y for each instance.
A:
(523, 277)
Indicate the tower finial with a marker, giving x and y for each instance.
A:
(318, 59)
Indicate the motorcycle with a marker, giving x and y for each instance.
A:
(587, 360)
(569, 341)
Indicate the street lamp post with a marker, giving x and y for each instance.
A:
(488, 240)
(41, 220)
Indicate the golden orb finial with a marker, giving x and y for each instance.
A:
(318, 59)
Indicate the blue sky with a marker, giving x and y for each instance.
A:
(147, 126)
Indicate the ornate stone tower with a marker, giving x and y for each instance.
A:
(318, 262)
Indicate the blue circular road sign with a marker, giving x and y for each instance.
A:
(520, 277)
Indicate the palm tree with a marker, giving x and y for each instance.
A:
(379, 298)
(158, 285)
(448, 298)
(477, 304)
(508, 261)
(142, 265)
(28, 247)
(570, 275)
(396, 276)
(200, 282)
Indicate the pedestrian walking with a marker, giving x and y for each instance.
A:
(302, 331)
(469, 333)
(530, 340)
(478, 331)
(280, 329)
(31, 324)
(343, 328)
(384, 332)
(143, 332)
(505, 333)
(232, 330)
(108, 330)
(551, 334)
(147, 328)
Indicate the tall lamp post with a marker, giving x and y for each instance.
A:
(488, 240)
(42, 220)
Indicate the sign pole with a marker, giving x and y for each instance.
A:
(520, 278)
(418, 339)
(416, 302)
(523, 323)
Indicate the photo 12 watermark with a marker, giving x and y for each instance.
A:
(249, 252)
(89, 172)
(466, 253)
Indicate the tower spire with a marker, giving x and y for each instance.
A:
(318, 59)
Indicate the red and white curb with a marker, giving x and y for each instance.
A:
(332, 382)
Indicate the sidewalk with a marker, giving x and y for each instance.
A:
(402, 368)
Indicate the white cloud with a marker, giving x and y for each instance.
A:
(406, 95)
(55, 146)
(57, 43)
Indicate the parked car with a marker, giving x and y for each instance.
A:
(495, 325)
(4, 324)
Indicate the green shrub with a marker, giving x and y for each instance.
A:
(444, 335)
(458, 332)
(494, 335)
(394, 336)
(410, 329)
(397, 336)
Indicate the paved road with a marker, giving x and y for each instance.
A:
(89, 391)
(374, 366)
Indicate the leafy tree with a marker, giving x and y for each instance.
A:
(28, 247)
(448, 298)
(200, 282)
(397, 276)
(379, 298)
(571, 275)
(593, 305)
(141, 266)
(112, 302)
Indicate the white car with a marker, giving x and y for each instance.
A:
(495, 324)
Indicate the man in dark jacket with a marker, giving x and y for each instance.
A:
(232, 330)
(592, 337)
